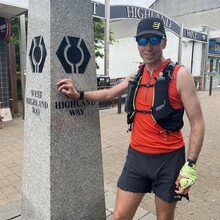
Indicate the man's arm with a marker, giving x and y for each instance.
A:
(66, 87)
(189, 98)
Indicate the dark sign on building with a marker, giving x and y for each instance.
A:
(5, 28)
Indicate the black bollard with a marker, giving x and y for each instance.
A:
(11, 107)
(210, 85)
(119, 104)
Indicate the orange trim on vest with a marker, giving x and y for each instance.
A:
(147, 136)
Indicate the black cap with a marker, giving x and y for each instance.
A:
(151, 26)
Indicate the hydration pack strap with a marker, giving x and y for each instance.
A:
(146, 85)
(144, 111)
(168, 70)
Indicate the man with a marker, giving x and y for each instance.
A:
(156, 155)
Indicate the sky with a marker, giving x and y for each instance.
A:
(141, 3)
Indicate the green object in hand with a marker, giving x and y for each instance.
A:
(190, 175)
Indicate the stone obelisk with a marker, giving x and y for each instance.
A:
(63, 173)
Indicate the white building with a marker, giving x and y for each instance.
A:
(200, 16)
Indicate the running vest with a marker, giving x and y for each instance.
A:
(165, 116)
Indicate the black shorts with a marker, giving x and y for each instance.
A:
(143, 173)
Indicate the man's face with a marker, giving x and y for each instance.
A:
(150, 48)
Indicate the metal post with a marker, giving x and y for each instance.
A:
(180, 44)
(12, 107)
(205, 58)
(107, 32)
(23, 47)
(210, 85)
(119, 104)
(192, 56)
(1, 122)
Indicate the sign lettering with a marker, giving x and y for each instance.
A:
(132, 12)
(36, 102)
(5, 28)
(95, 5)
(2, 27)
(197, 36)
(75, 106)
(76, 112)
(191, 34)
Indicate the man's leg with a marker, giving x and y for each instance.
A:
(165, 210)
(126, 204)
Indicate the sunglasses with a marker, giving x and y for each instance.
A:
(154, 40)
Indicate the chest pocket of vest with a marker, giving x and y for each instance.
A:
(167, 117)
(161, 107)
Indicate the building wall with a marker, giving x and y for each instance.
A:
(207, 18)
(191, 13)
(123, 54)
(124, 57)
(198, 15)
(191, 57)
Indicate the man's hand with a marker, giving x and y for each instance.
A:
(66, 87)
(186, 179)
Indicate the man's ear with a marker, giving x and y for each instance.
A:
(164, 43)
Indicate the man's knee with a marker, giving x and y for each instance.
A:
(120, 215)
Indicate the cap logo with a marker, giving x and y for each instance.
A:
(156, 25)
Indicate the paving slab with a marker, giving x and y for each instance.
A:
(204, 195)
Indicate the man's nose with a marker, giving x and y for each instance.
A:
(148, 44)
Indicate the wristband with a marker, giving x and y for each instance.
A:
(191, 162)
(189, 173)
(81, 95)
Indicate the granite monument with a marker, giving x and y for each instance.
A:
(63, 174)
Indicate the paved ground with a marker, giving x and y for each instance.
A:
(205, 194)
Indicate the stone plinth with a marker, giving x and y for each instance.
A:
(63, 174)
